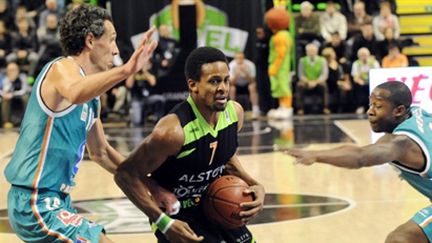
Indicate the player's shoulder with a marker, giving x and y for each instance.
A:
(63, 66)
(168, 130)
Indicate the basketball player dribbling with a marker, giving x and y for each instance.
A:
(62, 117)
(187, 150)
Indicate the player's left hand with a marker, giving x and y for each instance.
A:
(251, 209)
(165, 199)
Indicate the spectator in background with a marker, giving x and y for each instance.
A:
(51, 7)
(340, 48)
(166, 51)
(5, 44)
(360, 74)
(14, 92)
(49, 41)
(242, 80)
(366, 39)
(384, 20)
(23, 13)
(312, 74)
(145, 99)
(338, 82)
(266, 101)
(333, 21)
(357, 19)
(307, 23)
(24, 48)
(394, 58)
(382, 46)
(6, 14)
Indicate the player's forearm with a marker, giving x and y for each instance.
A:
(233, 167)
(113, 159)
(137, 192)
(94, 85)
(348, 156)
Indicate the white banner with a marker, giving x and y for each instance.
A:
(418, 80)
(227, 39)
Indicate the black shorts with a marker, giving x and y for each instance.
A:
(211, 232)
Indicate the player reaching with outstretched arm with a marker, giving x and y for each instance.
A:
(406, 145)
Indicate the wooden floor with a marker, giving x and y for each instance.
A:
(378, 200)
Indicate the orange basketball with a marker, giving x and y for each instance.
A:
(222, 200)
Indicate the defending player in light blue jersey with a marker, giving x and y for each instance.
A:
(61, 119)
(407, 145)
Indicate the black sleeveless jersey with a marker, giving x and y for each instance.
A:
(204, 153)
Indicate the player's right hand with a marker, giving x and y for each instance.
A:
(301, 156)
(180, 232)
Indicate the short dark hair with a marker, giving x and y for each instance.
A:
(199, 57)
(78, 23)
(400, 94)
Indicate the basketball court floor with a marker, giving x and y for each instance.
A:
(304, 204)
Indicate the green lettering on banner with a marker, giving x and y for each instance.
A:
(227, 46)
(213, 38)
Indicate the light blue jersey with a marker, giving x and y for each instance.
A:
(418, 128)
(51, 144)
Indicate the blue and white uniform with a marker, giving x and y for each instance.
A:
(43, 168)
(419, 128)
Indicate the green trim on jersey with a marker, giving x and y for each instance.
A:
(199, 127)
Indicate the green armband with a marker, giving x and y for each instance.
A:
(164, 222)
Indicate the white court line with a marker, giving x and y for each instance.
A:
(346, 131)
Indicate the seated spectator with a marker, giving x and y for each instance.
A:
(242, 80)
(24, 46)
(384, 20)
(358, 18)
(307, 28)
(166, 51)
(382, 46)
(360, 74)
(51, 7)
(145, 99)
(14, 92)
(23, 13)
(338, 82)
(340, 49)
(5, 44)
(312, 75)
(49, 41)
(333, 21)
(366, 39)
(394, 58)
(307, 23)
(6, 14)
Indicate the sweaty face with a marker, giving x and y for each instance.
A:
(380, 112)
(105, 48)
(213, 86)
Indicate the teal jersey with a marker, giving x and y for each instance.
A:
(51, 144)
(418, 128)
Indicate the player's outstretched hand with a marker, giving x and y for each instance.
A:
(301, 156)
(143, 53)
(251, 209)
(180, 232)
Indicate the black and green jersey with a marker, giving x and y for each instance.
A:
(204, 153)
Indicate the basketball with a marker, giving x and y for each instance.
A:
(222, 200)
